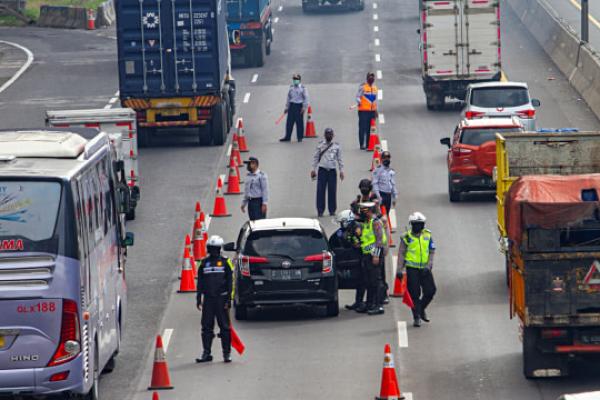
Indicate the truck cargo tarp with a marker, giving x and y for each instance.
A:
(549, 202)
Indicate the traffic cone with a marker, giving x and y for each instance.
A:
(204, 229)
(373, 136)
(386, 217)
(198, 211)
(235, 151)
(155, 396)
(233, 182)
(188, 248)
(376, 160)
(389, 382)
(399, 286)
(310, 131)
(187, 284)
(241, 137)
(199, 248)
(220, 207)
(160, 370)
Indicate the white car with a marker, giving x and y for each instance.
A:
(501, 100)
(581, 396)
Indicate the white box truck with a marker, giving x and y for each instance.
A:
(460, 44)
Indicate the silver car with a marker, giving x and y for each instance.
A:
(501, 100)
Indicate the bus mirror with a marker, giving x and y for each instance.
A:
(120, 166)
(124, 199)
(135, 194)
(128, 240)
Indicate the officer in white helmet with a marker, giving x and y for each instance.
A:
(415, 258)
(215, 288)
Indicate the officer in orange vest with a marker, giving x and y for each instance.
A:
(366, 100)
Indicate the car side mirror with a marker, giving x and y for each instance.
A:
(418, 31)
(229, 246)
(129, 239)
(124, 198)
(536, 103)
(445, 141)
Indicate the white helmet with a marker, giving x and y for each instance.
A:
(417, 217)
(215, 241)
(345, 217)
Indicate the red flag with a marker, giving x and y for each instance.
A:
(406, 299)
(236, 342)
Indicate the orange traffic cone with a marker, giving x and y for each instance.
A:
(310, 131)
(386, 217)
(204, 228)
(235, 151)
(233, 182)
(220, 207)
(160, 370)
(199, 249)
(155, 396)
(241, 136)
(373, 136)
(376, 160)
(197, 211)
(399, 286)
(187, 284)
(188, 248)
(389, 383)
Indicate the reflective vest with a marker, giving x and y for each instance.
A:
(368, 98)
(417, 249)
(368, 239)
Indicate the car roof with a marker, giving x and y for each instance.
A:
(479, 123)
(497, 84)
(285, 223)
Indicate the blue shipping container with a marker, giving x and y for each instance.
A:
(172, 48)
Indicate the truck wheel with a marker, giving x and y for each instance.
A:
(218, 125)
(260, 52)
(435, 101)
(205, 135)
(270, 41)
(453, 192)
(534, 360)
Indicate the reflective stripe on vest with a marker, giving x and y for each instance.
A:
(417, 249)
(368, 239)
(368, 99)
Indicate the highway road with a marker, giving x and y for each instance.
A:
(471, 350)
(570, 11)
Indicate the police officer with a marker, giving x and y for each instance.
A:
(384, 182)
(373, 245)
(366, 100)
(327, 158)
(415, 258)
(215, 287)
(296, 104)
(256, 191)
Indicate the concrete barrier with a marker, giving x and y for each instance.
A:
(63, 17)
(105, 15)
(577, 61)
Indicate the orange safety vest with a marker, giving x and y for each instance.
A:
(368, 99)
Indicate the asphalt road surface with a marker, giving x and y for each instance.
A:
(471, 350)
(570, 11)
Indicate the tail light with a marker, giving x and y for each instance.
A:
(61, 376)
(473, 114)
(69, 346)
(247, 260)
(528, 114)
(461, 151)
(554, 333)
(324, 257)
(141, 116)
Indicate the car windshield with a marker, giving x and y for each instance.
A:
(477, 137)
(297, 243)
(28, 209)
(494, 97)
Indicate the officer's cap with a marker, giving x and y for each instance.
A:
(250, 159)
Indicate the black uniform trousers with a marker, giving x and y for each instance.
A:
(361, 282)
(420, 281)
(374, 281)
(326, 182)
(255, 209)
(295, 117)
(214, 308)
(364, 127)
(386, 201)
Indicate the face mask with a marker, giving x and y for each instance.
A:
(249, 168)
(213, 251)
(365, 192)
(386, 162)
(417, 228)
(328, 138)
(296, 82)
(370, 81)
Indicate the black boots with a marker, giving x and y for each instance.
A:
(206, 357)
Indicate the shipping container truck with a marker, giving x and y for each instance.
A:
(249, 25)
(460, 44)
(174, 67)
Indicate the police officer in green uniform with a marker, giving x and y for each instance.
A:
(373, 241)
(415, 258)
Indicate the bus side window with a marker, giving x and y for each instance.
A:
(81, 222)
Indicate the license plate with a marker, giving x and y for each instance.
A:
(171, 113)
(2, 342)
(287, 274)
(591, 339)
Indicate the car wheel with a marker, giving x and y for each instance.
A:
(241, 312)
(453, 192)
(534, 359)
(333, 308)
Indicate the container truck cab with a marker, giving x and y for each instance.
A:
(249, 24)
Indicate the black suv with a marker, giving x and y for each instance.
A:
(283, 261)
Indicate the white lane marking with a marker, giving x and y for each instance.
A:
(254, 78)
(379, 74)
(377, 42)
(207, 221)
(394, 265)
(402, 335)
(113, 100)
(407, 396)
(375, 17)
(108, 106)
(378, 57)
(380, 94)
(384, 146)
(374, 6)
(381, 118)
(393, 219)
(272, 30)
(166, 338)
(247, 97)
(375, 28)
(276, 20)
(229, 151)
(280, 8)
(21, 70)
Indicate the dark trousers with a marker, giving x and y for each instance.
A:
(326, 182)
(386, 201)
(294, 117)
(364, 127)
(375, 289)
(214, 308)
(420, 281)
(255, 209)
(361, 283)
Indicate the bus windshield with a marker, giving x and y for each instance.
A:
(29, 209)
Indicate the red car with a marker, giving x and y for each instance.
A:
(472, 154)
